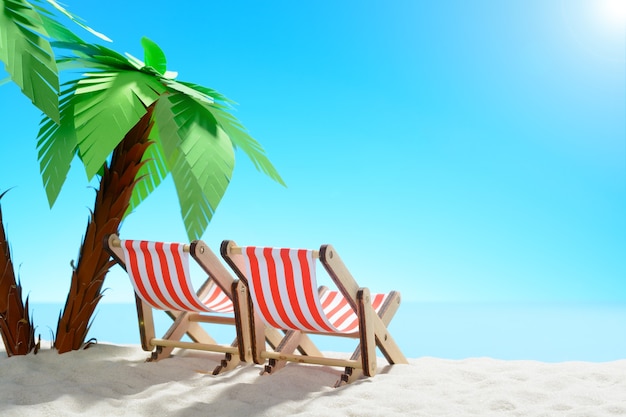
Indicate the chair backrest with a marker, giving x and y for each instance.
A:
(283, 286)
(160, 275)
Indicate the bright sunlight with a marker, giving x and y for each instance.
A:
(613, 12)
(597, 26)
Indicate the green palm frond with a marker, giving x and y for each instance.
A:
(153, 171)
(57, 146)
(154, 56)
(208, 92)
(115, 101)
(188, 90)
(77, 20)
(88, 56)
(54, 29)
(242, 140)
(194, 204)
(200, 157)
(28, 56)
(237, 133)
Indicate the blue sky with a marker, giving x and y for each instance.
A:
(452, 150)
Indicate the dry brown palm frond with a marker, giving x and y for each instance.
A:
(16, 328)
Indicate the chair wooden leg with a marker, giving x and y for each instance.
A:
(289, 344)
(259, 331)
(242, 320)
(384, 340)
(229, 362)
(146, 324)
(367, 316)
(386, 313)
(349, 375)
(177, 330)
(367, 346)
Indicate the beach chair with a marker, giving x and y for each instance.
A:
(283, 292)
(160, 275)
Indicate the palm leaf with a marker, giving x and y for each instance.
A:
(199, 155)
(28, 56)
(153, 171)
(54, 29)
(186, 89)
(86, 55)
(194, 205)
(115, 101)
(57, 145)
(154, 56)
(77, 20)
(208, 92)
(242, 140)
(230, 125)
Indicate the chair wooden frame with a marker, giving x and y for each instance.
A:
(188, 322)
(372, 326)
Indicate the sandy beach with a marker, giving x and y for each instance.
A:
(109, 379)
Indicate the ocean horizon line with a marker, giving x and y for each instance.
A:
(546, 332)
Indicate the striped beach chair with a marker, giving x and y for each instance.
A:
(160, 275)
(283, 291)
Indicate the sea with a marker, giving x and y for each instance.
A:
(546, 332)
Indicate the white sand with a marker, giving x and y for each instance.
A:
(114, 380)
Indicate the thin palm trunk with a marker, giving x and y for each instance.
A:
(17, 330)
(112, 201)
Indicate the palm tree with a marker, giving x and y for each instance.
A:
(131, 124)
(29, 60)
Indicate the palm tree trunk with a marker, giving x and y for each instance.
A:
(112, 201)
(17, 331)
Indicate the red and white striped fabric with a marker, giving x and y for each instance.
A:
(160, 275)
(283, 286)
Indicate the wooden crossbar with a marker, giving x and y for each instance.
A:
(195, 346)
(117, 243)
(317, 360)
(199, 318)
(237, 250)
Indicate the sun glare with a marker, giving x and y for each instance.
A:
(597, 26)
(613, 12)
